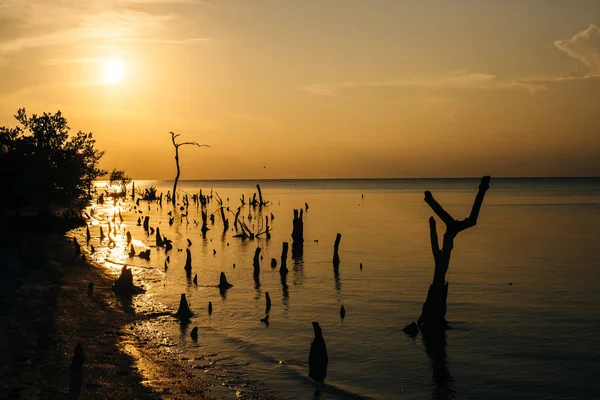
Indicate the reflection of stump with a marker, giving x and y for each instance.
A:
(297, 233)
(317, 358)
(434, 341)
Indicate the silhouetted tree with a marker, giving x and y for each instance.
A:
(42, 165)
(120, 178)
(177, 145)
(434, 308)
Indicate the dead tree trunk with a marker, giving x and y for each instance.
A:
(336, 247)
(284, 251)
(177, 145)
(297, 234)
(256, 261)
(433, 314)
(260, 198)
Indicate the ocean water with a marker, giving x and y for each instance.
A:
(524, 287)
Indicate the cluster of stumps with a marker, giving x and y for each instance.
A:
(433, 315)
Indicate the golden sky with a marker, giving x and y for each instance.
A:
(315, 88)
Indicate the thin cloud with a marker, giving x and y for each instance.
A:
(66, 24)
(465, 81)
(584, 46)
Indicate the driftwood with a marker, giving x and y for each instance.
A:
(144, 254)
(317, 358)
(433, 315)
(265, 320)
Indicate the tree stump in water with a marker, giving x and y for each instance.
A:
(336, 247)
(184, 313)
(188, 260)
(298, 234)
(433, 314)
(317, 358)
(284, 251)
(256, 261)
(223, 284)
(124, 284)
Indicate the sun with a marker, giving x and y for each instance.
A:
(114, 71)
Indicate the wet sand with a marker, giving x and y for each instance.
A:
(45, 311)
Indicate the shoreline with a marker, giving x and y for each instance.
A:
(45, 311)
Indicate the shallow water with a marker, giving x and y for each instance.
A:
(523, 294)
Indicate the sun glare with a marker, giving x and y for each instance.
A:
(114, 71)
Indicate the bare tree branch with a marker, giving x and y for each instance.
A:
(193, 144)
(438, 209)
(435, 247)
(177, 145)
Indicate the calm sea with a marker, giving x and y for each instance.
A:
(524, 288)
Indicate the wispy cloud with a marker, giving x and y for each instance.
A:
(63, 23)
(463, 80)
(584, 46)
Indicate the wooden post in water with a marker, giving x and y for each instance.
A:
(260, 198)
(317, 358)
(284, 251)
(336, 246)
(256, 261)
(297, 234)
(188, 260)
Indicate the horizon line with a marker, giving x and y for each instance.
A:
(366, 179)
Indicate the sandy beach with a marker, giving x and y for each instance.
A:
(45, 311)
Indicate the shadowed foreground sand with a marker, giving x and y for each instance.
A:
(45, 311)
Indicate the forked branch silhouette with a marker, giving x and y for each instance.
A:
(433, 315)
(177, 146)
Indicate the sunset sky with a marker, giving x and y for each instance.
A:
(315, 89)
